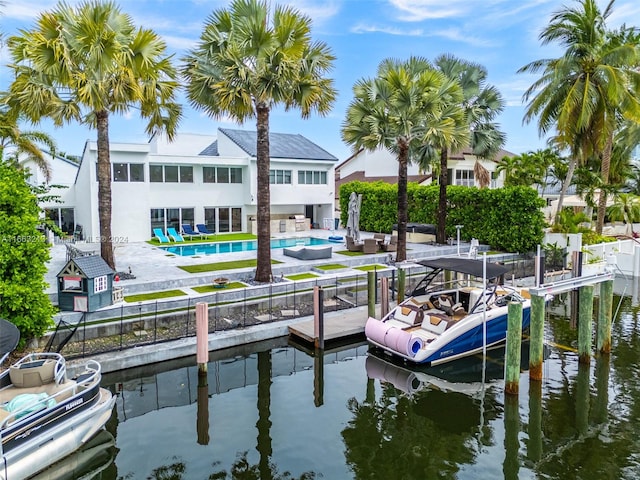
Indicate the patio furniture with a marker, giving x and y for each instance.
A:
(162, 238)
(189, 231)
(202, 229)
(380, 236)
(392, 246)
(308, 252)
(370, 245)
(353, 246)
(175, 236)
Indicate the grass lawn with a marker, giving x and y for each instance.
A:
(331, 266)
(213, 288)
(301, 276)
(355, 254)
(215, 267)
(153, 295)
(369, 268)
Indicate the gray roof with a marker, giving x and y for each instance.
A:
(93, 266)
(281, 145)
(211, 150)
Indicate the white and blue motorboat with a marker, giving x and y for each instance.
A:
(441, 322)
(45, 415)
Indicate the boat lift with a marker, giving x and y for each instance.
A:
(585, 284)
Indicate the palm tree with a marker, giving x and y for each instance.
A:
(584, 92)
(24, 145)
(244, 66)
(625, 207)
(85, 63)
(407, 106)
(481, 103)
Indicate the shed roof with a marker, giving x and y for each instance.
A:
(91, 265)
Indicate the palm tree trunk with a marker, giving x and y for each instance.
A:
(263, 268)
(606, 165)
(403, 159)
(565, 187)
(104, 188)
(441, 235)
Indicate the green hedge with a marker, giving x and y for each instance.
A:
(508, 219)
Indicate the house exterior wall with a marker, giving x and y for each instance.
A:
(379, 163)
(132, 201)
(382, 163)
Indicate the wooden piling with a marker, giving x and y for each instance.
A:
(585, 324)
(384, 296)
(514, 347)
(605, 314)
(402, 280)
(318, 317)
(371, 293)
(536, 342)
(202, 335)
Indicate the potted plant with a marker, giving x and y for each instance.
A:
(220, 282)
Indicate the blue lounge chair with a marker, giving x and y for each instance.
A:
(202, 228)
(160, 235)
(174, 235)
(189, 231)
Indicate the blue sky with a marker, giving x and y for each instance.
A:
(502, 35)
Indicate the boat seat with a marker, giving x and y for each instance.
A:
(409, 314)
(32, 374)
(434, 324)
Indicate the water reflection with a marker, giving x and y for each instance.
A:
(272, 411)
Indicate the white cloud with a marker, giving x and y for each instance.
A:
(418, 10)
(363, 28)
(318, 11)
(463, 36)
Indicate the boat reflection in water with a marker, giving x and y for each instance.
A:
(468, 375)
(94, 457)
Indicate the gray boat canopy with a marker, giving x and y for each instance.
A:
(465, 265)
(9, 337)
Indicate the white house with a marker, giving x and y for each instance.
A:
(382, 165)
(195, 179)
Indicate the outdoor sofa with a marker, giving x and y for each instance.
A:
(308, 252)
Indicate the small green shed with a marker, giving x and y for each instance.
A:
(85, 284)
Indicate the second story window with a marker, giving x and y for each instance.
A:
(312, 177)
(222, 175)
(171, 173)
(280, 177)
(128, 172)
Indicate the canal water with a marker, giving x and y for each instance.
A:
(273, 411)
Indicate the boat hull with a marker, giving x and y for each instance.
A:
(466, 338)
(45, 446)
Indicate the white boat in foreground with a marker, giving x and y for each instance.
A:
(45, 416)
(438, 324)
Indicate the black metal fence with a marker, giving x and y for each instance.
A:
(153, 322)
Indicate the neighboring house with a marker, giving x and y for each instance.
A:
(198, 179)
(59, 206)
(382, 165)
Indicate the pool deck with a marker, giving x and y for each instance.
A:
(156, 270)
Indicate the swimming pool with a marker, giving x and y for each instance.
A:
(242, 246)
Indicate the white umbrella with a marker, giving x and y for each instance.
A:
(353, 220)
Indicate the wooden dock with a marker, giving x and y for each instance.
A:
(337, 326)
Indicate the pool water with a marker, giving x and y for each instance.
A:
(241, 246)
